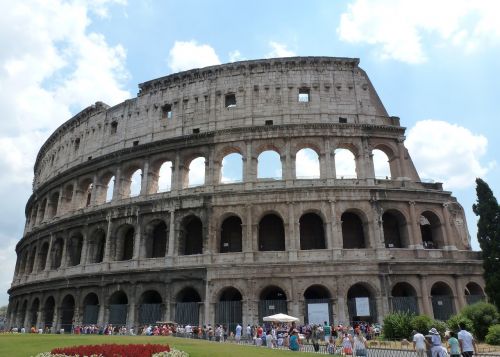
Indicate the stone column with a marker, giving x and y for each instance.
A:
(95, 191)
(378, 236)
(414, 231)
(107, 248)
(337, 242)
(131, 314)
(448, 236)
(64, 254)
(145, 179)
(36, 258)
(39, 316)
(459, 295)
(425, 298)
(48, 262)
(174, 185)
(403, 170)
(117, 188)
(171, 234)
(137, 238)
(85, 247)
(291, 242)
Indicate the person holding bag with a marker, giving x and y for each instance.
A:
(360, 344)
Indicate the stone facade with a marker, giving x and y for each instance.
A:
(94, 251)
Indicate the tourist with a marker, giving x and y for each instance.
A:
(294, 341)
(328, 331)
(467, 342)
(419, 344)
(269, 339)
(360, 344)
(347, 344)
(330, 347)
(237, 333)
(315, 336)
(454, 345)
(435, 342)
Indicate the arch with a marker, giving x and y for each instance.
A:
(90, 309)
(96, 246)
(42, 256)
(31, 261)
(187, 307)
(272, 300)
(430, 229)
(23, 262)
(271, 233)
(35, 306)
(196, 172)
(22, 313)
(74, 247)
(229, 308)
(110, 188)
(361, 303)
(57, 252)
(231, 235)
(124, 245)
(353, 231)
(165, 177)
(135, 183)
(67, 312)
(404, 298)
(312, 232)
(269, 165)
(230, 294)
(118, 304)
(442, 301)
(53, 204)
(315, 292)
(42, 215)
(345, 164)
(232, 168)
(156, 239)
(150, 307)
(474, 293)
(381, 165)
(318, 297)
(191, 236)
(395, 229)
(307, 164)
(48, 312)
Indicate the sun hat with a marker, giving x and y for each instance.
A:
(433, 331)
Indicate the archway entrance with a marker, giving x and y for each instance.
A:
(474, 293)
(67, 313)
(272, 301)
(48, 312)
(442, 301)
(318, 305)
(90, 309)
(118, 304)
(361, 304)
(150, 308)
(404, 299)
(228, 310)
(187, 307)
(35, 306)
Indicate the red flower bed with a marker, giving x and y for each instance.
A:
(113, 350)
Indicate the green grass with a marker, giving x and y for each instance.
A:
(30, 344)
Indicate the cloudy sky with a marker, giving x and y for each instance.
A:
(435, 64)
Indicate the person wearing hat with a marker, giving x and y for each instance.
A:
(437, 347)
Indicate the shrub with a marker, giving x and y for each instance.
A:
(459, 319)
(482, 315)
(421, 323)
(493, 336)
(397, 325)
(113, 350)
(440, 326)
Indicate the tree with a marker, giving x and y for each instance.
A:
(488, 235)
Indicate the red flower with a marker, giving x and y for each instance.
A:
(113, 350)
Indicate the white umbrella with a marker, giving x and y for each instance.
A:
(280, 318)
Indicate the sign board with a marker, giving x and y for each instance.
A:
(271, 307)
(318, 313)
(362, 306)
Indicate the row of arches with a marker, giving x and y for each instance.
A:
(139, 178)
(228, 305)
(154, 238)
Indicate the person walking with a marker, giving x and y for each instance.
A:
(467, 342)
(419, 344)
(454, 345)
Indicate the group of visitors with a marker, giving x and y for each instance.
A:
(459, 344)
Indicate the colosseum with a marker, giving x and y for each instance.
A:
(135, 216)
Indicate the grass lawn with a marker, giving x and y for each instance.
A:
(30, 344)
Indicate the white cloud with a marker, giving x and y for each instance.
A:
(399, 28)
(188, 55)
(51, 65)
(236, 56)
(447, 153)
(8, 262)
(345, 164)
(307, 164)
(381, 164)
(279, 50)
(197, 172)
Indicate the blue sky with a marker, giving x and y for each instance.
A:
(433, 63)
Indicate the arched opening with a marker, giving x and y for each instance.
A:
(307, 164)
(345, 164)
(271, 233)
(381, 165)
(473, 293)
(57, 252)
(86, 188)
(23, 262)
(31, 261)
(318, 305)
(395, 229)
(48, 312)
(191, 235)
(53, 204)
(228, 310)
(42, 216)
(231, 235)
(118, 304)
(35, 306)
(90, 309)
(22, 313)
(361, 304)
(34, 212)
(430, 228)
(97, 244)
(124, 249)
(232, 168)
(150, 307)
(353, 235)
(187, 307)
(67, 313)
(75, 245)
(135, 183)
(404, 298)
(156, 239)
(272, 300)
(42, 257)
(196, 175)
(442, 301)
(165, 177)
(110, 187)
(312, 232)
(269, 165)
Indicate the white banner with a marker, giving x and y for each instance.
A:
(362, 306)
(318, 313)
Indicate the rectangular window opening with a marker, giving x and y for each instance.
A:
(166, 111)
(196, 131)
(304, 95)
(342, 120)
(230, 100)
(135, 143)
(269, 122)
(114, 127)
(77, 144)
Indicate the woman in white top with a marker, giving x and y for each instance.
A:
(359, 344)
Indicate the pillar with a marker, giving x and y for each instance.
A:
(85, 247)
(107, 248)
(336, 233)
(291, 242)
(448, 235)
(171, 234)
(145, 179)
(403, 170)
(459, 295)
(415, 236)
(425, 298)
(48, 262)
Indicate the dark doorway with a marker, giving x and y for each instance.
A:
(271, 233)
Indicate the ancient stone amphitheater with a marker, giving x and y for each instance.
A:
(125, 226)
